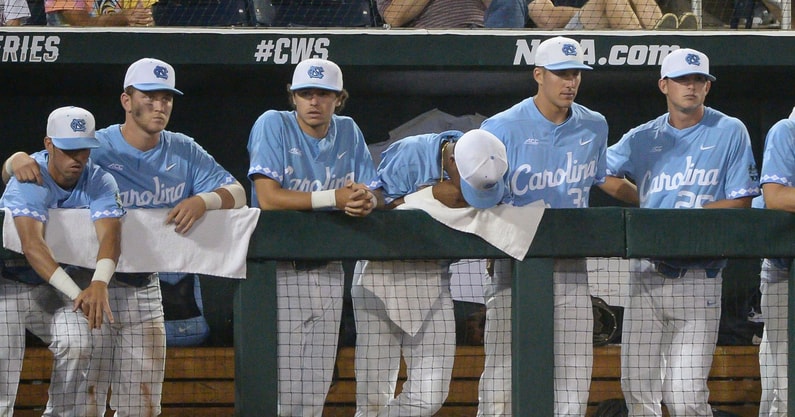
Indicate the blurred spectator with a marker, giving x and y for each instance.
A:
(506, 14)
(430, 14)
(83, 13)
(13, 12)
(604, 14)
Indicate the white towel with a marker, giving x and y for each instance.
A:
(509, 228)
(408, 289)
(216, 245)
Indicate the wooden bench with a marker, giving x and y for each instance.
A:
(734, 381)
(200, 382)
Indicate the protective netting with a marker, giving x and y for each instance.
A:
(667, 15)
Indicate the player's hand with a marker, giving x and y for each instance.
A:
(25, 168)
(93, 301)
(449, 194)
(186, 214)
(359, 202)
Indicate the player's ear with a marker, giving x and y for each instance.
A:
(662, 83)
(48, 144)
(125, 100)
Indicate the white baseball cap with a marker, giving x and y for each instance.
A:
(683, 62)
(149, 74)
(482, 161)
(560, 53)
(72, 128)
(317, 73)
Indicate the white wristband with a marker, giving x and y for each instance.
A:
(8, 169)
(104, 271)
(211, 200)
(324, 199)
(63, 283)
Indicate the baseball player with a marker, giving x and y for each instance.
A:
(556, 153)
(778, 167)
(463, 169)
(691, 157)
(154, 168)
(69, 180)
(309, 159)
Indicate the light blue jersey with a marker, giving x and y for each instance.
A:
(687, 168)
(280, 150)
(412, 163)
(555, 163)
(95, 190)
(175, 169)
(778, 167)
(779, 157)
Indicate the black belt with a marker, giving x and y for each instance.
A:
(669, 271)
(309, 265)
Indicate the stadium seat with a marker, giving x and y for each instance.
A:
(201, 13)
(313, 13)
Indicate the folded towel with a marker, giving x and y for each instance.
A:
(408, 289)
(216, 245)
(510, 229)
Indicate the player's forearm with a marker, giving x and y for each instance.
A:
(621, 189)
(109, 238)
(233, 196)
(40, 259)
(744, 202)
(779, 197)
(8, 165)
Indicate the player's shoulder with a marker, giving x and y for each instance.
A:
(647, 129)
(717, 118)
(516, 112)
(786, 126)
(588, 115)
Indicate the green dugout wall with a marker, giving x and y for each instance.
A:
(563, 233)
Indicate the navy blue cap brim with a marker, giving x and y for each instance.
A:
(318, 86)
(683, 73)
(71, 144)
(567, 65)
(483, 199)
(156, 87)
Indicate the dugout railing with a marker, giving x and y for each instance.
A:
(563, 233)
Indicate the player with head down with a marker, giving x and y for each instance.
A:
(309, 159)
(155, 168)
(69, 179)
(691, 157)
(406, 306)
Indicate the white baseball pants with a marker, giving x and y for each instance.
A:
(309, 310)
(773, 349)
(669, 334)
(573, 340)
(37, 308)
(130, 355)
(429, 354)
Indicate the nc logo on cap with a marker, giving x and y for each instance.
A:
(569, 49)
(693, 59)
(315, 72)
(160, 72)
(78, 125)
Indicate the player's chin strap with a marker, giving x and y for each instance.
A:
(213, 201)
